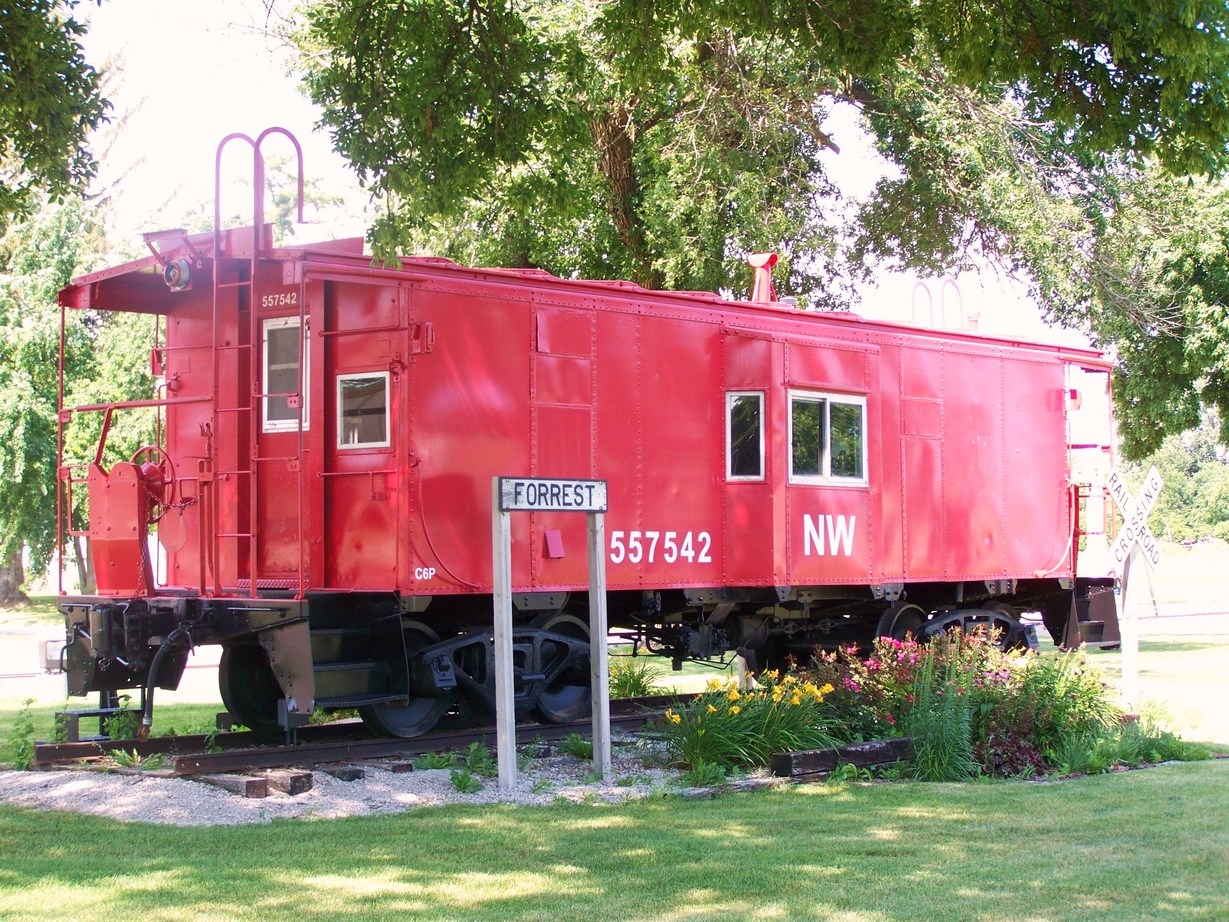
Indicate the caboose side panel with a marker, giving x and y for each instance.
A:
(828, 458)
(974, 533)
(658, 436)
(922, 418)
(1036, 499)
(469, 415)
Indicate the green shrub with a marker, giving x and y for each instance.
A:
(941, 718)
(869, 694)
(1061, 695)
(727, 727)
(633, 677)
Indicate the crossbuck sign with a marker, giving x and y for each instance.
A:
(1135, 510)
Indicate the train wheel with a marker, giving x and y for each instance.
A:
(901, 620)
(249, 689)
(1001, 619)
(569, 696)
(418, 714)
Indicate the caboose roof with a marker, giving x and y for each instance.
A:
(139, 286)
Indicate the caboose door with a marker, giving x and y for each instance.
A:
(362, 436)
(753, 509)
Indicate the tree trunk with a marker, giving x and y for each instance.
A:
(617, 167)
(12, 575)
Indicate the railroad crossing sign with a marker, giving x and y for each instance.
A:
(1135, 510)
(1135, 534)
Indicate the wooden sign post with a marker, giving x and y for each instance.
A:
(529, 494)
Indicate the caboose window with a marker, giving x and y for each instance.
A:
(362, 410)
(827, 438)
(283, 347)
(745, 436)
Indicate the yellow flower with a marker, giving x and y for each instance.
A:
(796, 699)
(711, 709)
(736, 709)
(791, 680)
(733, 695)
(673, 717)
(715, 685)
(777, 694)
(826, 688)
(770, 674)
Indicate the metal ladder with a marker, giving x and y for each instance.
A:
(238, 274)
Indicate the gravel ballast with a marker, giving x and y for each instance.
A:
(154, 798)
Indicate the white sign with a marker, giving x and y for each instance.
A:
(1135, 512)
(534, 494)
(525, 494)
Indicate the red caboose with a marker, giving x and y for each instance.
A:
(778, 480)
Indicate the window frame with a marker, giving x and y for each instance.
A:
(388, 410)
(303, 421)
(825, 477)
(730, 398)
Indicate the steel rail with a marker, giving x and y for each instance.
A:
(208, 763)
(338, 736)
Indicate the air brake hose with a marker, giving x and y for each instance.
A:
(147, 719)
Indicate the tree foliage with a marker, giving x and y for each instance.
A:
(662, 141)
(1195, 501)
(49, 103)
(105, 356)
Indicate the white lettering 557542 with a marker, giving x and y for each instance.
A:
(838, 529)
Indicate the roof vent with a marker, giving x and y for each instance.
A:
(762, 289)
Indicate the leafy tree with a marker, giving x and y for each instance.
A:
(1195, 467)
(49, 103)
(661, 141)
(106, 356)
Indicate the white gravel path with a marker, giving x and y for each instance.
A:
(142, 797)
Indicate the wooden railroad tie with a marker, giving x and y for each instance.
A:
(815, 762)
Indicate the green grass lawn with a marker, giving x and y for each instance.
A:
(1146, 844)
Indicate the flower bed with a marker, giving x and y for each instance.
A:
(971, 709)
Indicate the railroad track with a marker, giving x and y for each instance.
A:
(344, 741)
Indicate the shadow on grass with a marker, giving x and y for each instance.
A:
(41, 609)
(1141, 844)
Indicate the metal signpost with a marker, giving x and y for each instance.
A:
(1134, 539)
(535, 494)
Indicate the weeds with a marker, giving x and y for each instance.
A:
(848, 772)
(464, 781)
(20, 750)
(703, 774)
(633, 677)
(577, 746)
(123, 724)
(429, 761)
(941, 719)
(125, 759)
(478, 759)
